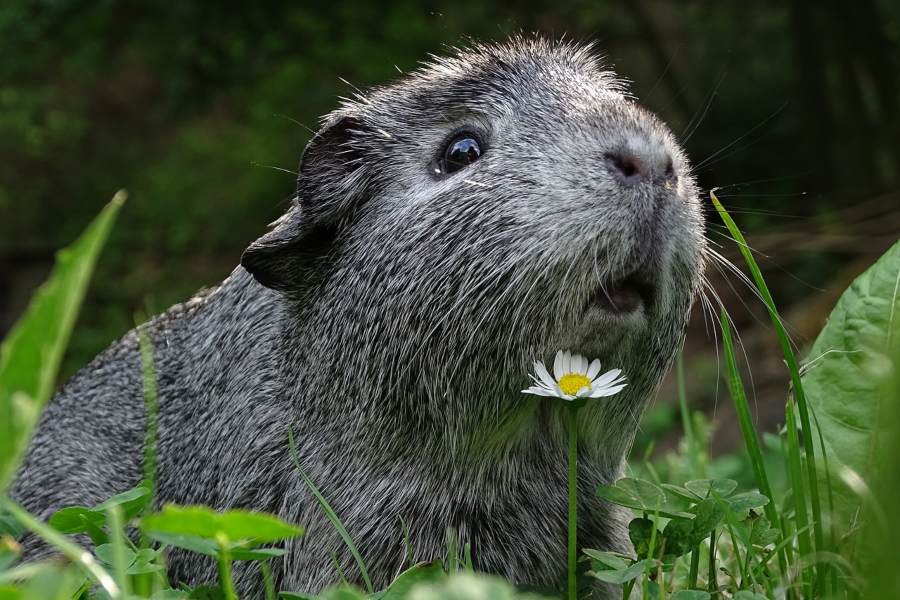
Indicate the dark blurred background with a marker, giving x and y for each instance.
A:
(201, 112)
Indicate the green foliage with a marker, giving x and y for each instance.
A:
(232, 525)
(749, 549)
(844, 376)
(31, 353)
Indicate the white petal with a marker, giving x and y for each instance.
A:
(541, 371)
(607, 377)
(567, 362)
(558, 365)
(538, 391)
(540, 384)
(608, 391)
(584, 392)
(593, 369)
(576, 364)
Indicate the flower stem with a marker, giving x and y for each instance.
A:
(573, 501)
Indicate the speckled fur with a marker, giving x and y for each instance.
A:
(400, 315)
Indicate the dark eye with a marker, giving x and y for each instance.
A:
(462, 151)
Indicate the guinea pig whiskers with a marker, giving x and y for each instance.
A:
(720, 263)
(708, 161)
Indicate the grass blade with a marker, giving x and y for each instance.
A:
(793, 367)
(751, 440)
(31, 353)
(332, 516)
(117, 539)
(798, 487)
(151, 403)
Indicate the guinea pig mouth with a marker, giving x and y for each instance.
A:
(625, 295)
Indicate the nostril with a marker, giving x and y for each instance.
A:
(626, 165)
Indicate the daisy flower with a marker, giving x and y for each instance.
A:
(574, 378)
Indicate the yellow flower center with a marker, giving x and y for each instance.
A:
(570, 383)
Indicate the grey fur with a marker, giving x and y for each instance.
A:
(400, 316)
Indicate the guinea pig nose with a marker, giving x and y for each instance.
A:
(632, 168)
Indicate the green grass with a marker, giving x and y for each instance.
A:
(697, 535)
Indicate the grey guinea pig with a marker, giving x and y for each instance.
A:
(448, 229)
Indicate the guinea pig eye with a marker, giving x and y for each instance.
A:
(462, 151)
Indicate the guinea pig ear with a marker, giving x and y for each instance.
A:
(329, 184)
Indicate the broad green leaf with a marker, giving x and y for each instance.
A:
(191, 543)
(131, 501)
(145, 561)
(704, 488)
(641, 495)
(31, 353)
(608, 560)
(640, 531)
(622, 575)
(105, 553)
(234, 525)
(80, 519)
(709, 514)
(757, 531)
(74, 519)
(745, 501)
(844, 372)
(422, 573)
(683, 535)
(679, 536)
(679, 492)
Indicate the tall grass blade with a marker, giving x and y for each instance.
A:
(332, 516)
(793, 367)
(32, 351)
(748, 430)
(151, 406)
(798, 488)
(117, 539)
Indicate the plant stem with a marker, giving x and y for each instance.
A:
(268, 583)
(573, 502)
(695, 566)
(224, 557)
(117, 537)
(712, 584)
